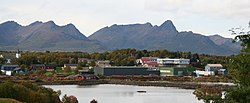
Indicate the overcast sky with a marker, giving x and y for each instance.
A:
(207, 17)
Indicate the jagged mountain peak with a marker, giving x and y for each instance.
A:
(50, 23)
(70, 26)
(10, 23)
(35, 23)
(168, 25)
(148, 23)
(114, 25)
(72, 31)
(137, 24)
(168, 22)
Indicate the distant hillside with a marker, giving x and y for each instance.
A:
(225, 43)
(165, 36)
(41, 36)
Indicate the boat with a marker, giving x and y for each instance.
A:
(141, 91)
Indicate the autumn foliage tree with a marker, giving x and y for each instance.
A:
(67, 69)
(28, 92)
(69, 99)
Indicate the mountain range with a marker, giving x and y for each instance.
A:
(165, 36)
(39, 36)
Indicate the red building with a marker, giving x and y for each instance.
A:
(148, 61)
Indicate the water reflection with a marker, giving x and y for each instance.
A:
(110, 93)
(86, 86)
(210, 95)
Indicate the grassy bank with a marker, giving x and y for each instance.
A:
(170, 81)
(9, 100)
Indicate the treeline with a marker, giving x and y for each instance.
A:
(121, 57)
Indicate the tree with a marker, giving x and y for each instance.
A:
(74, 61)
(240, 65)
(67, 69)
(92, 63)
(24, 67)
(2, 60)
(209, 95)
(79, 67)
(28, 92)
(40, 71)
(216, 72)
(84, 63)
(69, 99)
(239, 69)
(238, 95)
(243, 37)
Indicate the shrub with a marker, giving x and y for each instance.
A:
(69, 99)
(28, 92)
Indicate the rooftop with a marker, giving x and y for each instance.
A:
(214, 65)
(8, 56)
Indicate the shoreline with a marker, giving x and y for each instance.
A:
(178, 82)
(181, 85)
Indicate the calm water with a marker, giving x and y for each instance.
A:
(110, 93)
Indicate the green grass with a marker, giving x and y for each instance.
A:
(68, 73)
(60, 71)
(48, 74)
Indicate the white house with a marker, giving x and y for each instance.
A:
(154, 62)
(103, 63)
(8, 69)
(213, 67)
(180, 61)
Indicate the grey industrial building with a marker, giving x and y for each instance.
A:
(125, 70)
